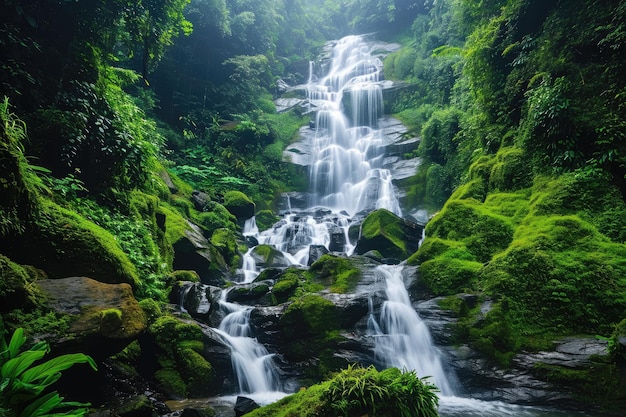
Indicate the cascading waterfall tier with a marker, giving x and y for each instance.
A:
(346, 172)
(252, 363)
(402, 340)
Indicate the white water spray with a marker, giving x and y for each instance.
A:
(402, 340)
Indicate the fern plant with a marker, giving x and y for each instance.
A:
(23, 384)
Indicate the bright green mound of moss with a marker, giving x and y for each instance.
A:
(560, 273)
(392, 236)
(215, 217)
(64, 244)
(226, 242)
(482, 231)
(358, 392)
(336, 273)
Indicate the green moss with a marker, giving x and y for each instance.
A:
(336, 273)
(265, 219)
(151, 309)
(239, 204)
(515, 206)
(69, 245)
(15, 288)
(384, 231)
(171, 381)
(561, 274)
(474, 189)
(226, 242)
(483, 232)
(511, 171)
(196, 371)
(446, 275)
(215, 217)
(185, 275)
(434, 247)
(175, 224)
(285, 286)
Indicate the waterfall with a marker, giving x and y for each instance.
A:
(402, 340)
(346, 171)
(252, 363)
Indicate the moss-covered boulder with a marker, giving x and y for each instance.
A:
(104, 318)
(62, 243)
(250, 293)
(239, 205)
(192, 251)
(389, 234)
(181, 369)
(215, 216)
(267, 256)
(336, 273)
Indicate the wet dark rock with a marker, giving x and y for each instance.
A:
(244, 405)
(165, 176)
(316, 252)
(194, 252)
(249, 293)
(293, 201)
(200, 199)
(197, 299)
(337, 239)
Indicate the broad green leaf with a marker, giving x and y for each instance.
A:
(14, 367)
(17, 340)
(56, 365)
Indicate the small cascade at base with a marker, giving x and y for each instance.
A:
(252, 364)
(402, 340)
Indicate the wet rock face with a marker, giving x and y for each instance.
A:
(522, 383)
(389, 234)
(105, 317)
(194, 252)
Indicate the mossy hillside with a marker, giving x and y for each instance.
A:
(94, 252)
(336, 273)
(560, 274)
(482, 231)
(585, 194)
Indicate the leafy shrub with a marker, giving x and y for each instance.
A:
(23, 387)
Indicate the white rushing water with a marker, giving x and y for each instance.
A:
(402, 340)
(252, 364)
(346, 173)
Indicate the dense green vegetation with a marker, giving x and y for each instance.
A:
(360, 391)
(127, 126)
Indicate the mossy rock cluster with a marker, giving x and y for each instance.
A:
(550, 254)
